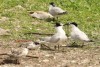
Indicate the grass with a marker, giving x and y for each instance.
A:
(84, 12)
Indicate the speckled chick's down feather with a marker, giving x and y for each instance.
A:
(33, 45)
(19, 52)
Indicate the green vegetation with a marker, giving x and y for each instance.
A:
(85, 12)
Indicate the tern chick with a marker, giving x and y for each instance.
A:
(33, 45)
(19, 52)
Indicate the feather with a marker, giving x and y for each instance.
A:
(41, 15)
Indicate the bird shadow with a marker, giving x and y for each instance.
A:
(45, 47)
(37, 33)
(50, 20)
(32, 56)
(4, 54)
(75, 46)
(8, 60)
(40, 33)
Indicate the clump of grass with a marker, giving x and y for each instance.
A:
(84, 12)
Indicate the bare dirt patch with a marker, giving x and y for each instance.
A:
(70, 57)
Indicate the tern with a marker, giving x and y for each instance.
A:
(55, 11)
(59, 37)
(77, 34)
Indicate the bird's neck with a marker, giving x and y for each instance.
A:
(60, 30)
(74, 28)
(50, 6)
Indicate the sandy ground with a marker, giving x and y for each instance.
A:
(68, 57)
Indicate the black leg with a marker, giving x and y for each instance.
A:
(73, 43)
(55, 47)
(58, 47)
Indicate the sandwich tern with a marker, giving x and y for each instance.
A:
(58, 38)
(55, 11)
(76, 34)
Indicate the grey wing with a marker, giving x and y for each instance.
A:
(54, 39)
(57, 40)
(83, 36)
(74, 36)
(46, 39)
(58, 10)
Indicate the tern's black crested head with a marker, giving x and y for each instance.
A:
(52, 3)
(58, 24)
(74, 23)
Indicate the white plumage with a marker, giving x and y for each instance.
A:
(54, 10)
(77, 34)
(59, 37)
(33, 45)
(41, 15)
